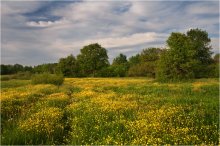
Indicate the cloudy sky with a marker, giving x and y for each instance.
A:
(37, 32)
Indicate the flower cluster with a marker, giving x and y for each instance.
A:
(44, 122)
(111, 111)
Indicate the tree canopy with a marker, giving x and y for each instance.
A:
(68, 66)
(120, 59)
(217, 58)
(92, 58)
(187, 57)
(147, 62)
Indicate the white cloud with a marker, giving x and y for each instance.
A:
(45, 23)
(131, 40)
(134, 39)
(215, 45)
(143, 24)
(203, 8)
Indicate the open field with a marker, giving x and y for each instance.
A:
(110, 111)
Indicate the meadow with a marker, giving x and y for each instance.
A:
(110, 111)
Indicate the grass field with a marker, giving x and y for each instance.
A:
(110, 111)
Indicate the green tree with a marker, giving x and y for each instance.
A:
(92, 59)
(68, 66)
(139, 70)
(199, 43)
(146, 65)
(7, 69)
(12, 69)
(149, 58)
(28, 68)
(177, 63)
(107, 72)
(150, 54)
(187, 57)
(45, 68)
(120, 65)
(18, 67)
(217, 58)
(214, 67)
(120, 60)
(134, 60)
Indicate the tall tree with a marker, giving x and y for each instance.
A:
(92, 59)
(11, 69)
(18, 67)
(187, 57)
(68, 66)
(217, 58)
(120, 65)
(200, 44)
(120, 60)
(6, 69)
(214, 67)
(134, 60)
(45, 68)
(150, 54)
(147, 63)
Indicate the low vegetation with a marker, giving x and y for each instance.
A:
(47, 78)
(110, 111)
(20, 75)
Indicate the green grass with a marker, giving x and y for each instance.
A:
(14, 83)
(109, 111)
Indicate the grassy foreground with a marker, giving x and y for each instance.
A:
(110, 111)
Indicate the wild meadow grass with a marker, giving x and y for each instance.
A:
(110, 111)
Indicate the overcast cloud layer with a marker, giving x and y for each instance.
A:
(39, 32)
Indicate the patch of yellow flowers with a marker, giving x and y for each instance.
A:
(45, 121)
(113, 102)
(111, 112)
(25, 91)
(59, 97)
(151, 125)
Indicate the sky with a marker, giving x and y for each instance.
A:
(37, 32)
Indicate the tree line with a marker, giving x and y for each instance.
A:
(187, 56)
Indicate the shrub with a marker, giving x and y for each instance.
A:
(22, 75)
(212, 71)
(46, 78)
(146, 69)
(106, 72)
(5, 78)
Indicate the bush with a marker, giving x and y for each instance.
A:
(213, 70)
(107, 72)
(22, 75)
(147, 69)
(5, 78)
(46, 78)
